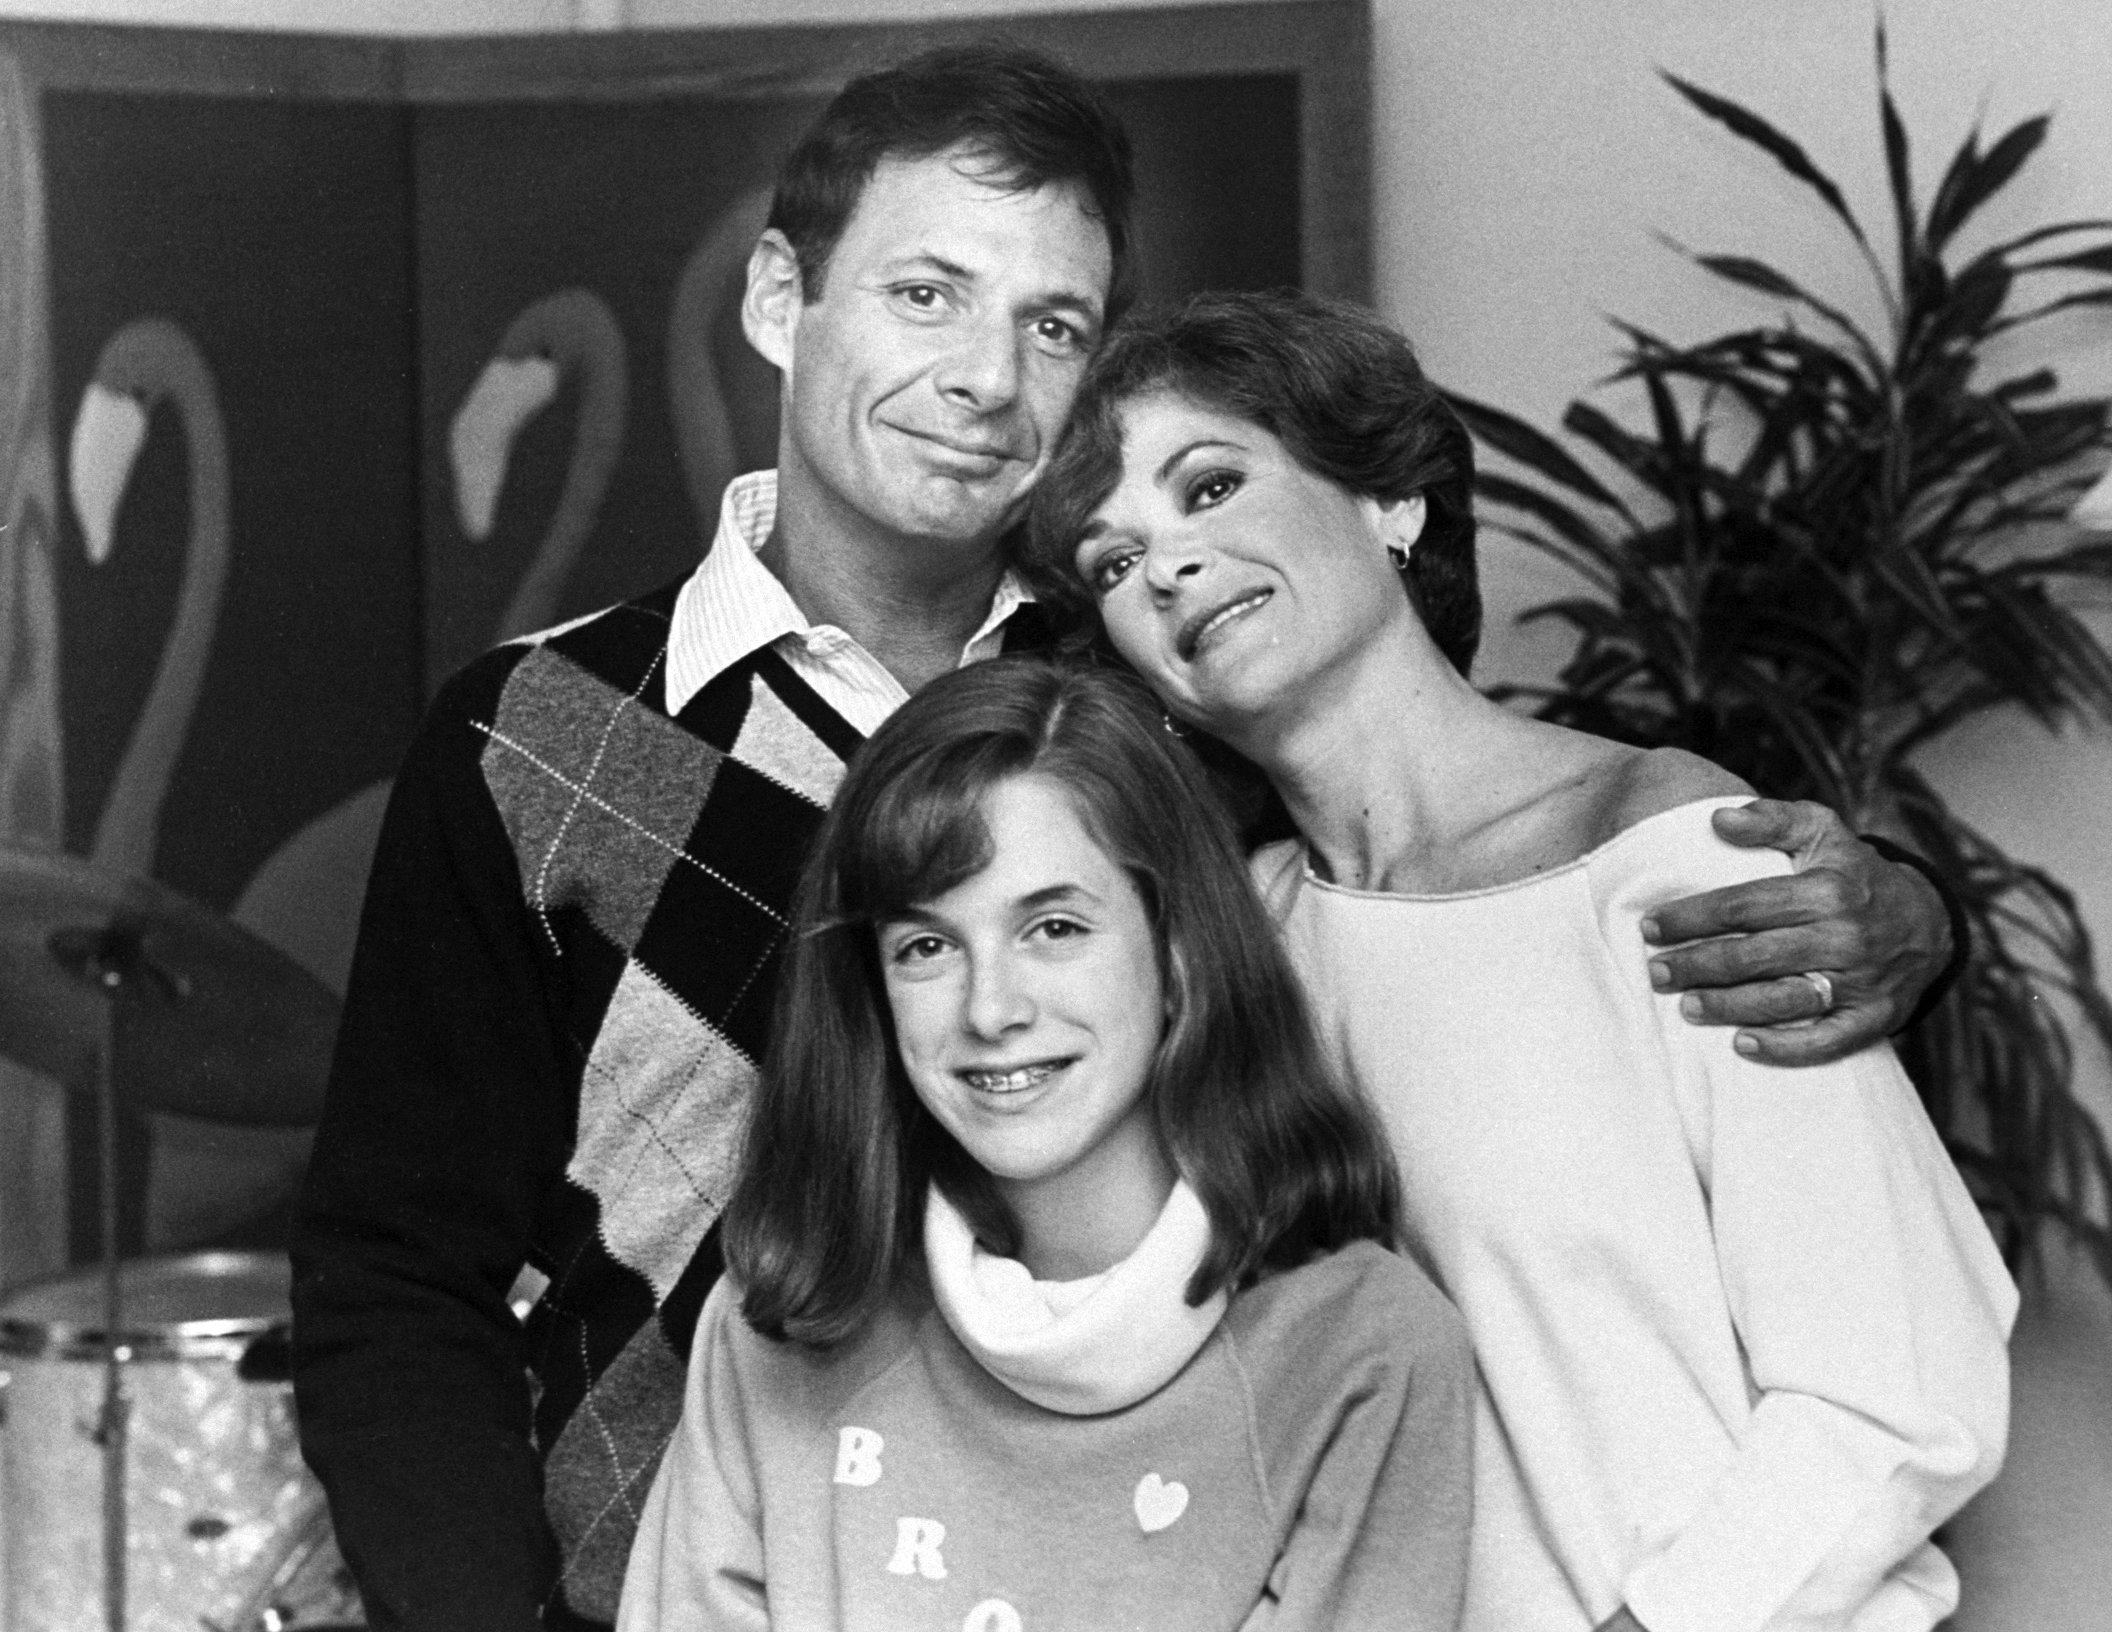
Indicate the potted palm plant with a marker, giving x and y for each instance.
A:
(1831, 543)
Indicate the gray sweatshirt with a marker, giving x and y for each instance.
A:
(1303, 1464)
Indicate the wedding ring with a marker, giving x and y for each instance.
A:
(1823, 985)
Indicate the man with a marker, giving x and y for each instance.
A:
(571, 939)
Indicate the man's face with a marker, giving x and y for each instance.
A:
(925, 389)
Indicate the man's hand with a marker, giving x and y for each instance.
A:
(1875, 929)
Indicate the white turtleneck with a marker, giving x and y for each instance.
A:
(1080, 1347)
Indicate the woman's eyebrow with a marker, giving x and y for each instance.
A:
(1180, 453)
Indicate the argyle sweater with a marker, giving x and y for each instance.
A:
(563, 981)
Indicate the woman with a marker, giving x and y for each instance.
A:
(1741, 1332)
(1060, 1287)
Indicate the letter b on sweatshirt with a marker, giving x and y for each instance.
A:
(858, 1457)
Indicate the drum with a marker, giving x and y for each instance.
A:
(225, 1526)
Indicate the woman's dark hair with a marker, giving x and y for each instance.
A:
(828, 1210)
(1337, 387)
(1032, 119)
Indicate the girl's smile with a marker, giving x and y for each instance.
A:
(1016, 1081)
(1028, 1010)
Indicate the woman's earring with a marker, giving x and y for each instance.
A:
(1398, 556)
(1174, 728)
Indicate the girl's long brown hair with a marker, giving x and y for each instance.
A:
(827, 1214)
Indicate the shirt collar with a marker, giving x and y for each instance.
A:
(733, 605)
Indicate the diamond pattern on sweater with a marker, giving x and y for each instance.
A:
(602, 1466)
(597, 793)
(660, 1119)
(660, 856)
(718, 930)
(777, 742)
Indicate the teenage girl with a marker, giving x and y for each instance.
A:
(1061, 1290)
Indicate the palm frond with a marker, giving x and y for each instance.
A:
(1975, 177)
(1510, 435)
(1743, 122)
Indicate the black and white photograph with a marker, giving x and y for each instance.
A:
(1055, 815)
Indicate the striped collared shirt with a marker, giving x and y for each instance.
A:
(733, 604)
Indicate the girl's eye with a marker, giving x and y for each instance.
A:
(1106, 571)
(1058, 929)
(917, 949)
(1212, 487)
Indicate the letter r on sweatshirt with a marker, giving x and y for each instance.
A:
(858, 1457)
(917, 1549)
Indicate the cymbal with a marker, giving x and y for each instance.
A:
(209, 1021)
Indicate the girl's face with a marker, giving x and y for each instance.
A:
(1230, 576)
(1027, 1000)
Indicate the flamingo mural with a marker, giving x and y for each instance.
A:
(711, 278)
(200, 1178)
(32, 781)
(144, 364)
(569, 335)
(306, 898)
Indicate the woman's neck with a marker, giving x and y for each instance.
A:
(1378, 759)
(1091, 1216)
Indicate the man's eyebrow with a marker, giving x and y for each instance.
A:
(925, 260)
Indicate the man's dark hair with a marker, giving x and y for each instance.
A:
(1338, 388)
(1029, 118)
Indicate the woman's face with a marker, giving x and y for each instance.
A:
(1230, 576)
(1027, 999)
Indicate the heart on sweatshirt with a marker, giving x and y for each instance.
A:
(1159, 1502)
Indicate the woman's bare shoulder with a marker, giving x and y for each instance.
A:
(1586, 792)
(1649, 782)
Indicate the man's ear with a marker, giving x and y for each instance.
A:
(771, 304)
